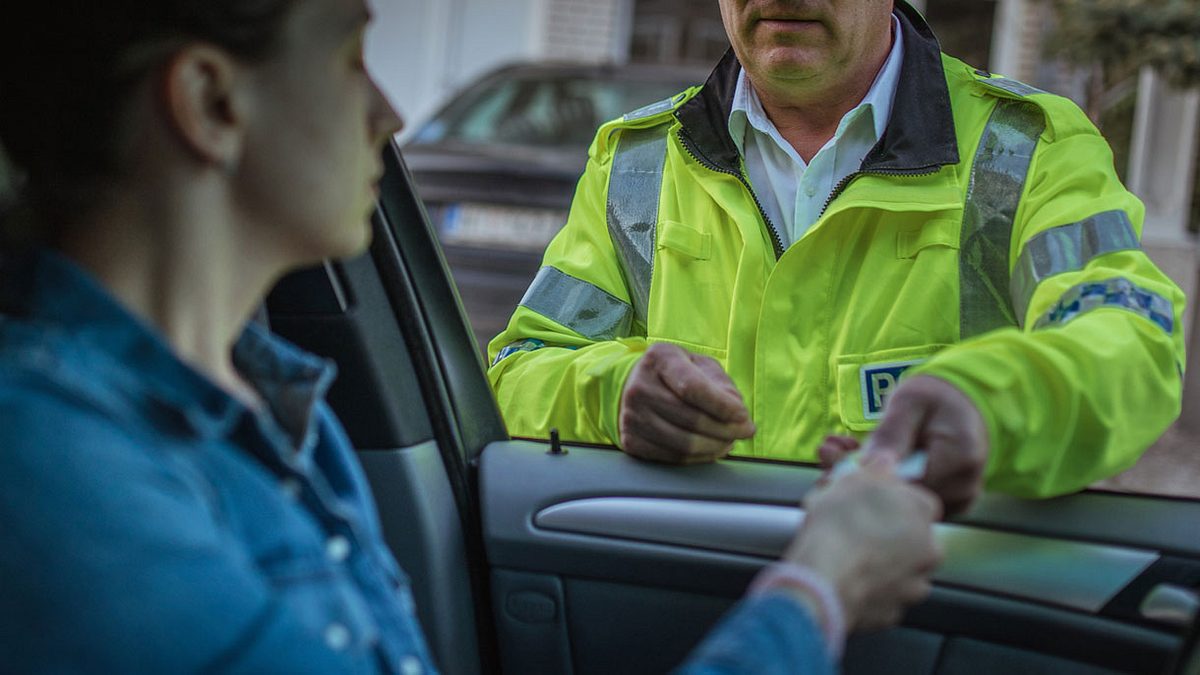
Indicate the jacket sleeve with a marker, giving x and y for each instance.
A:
(1093, 375)
(765, 635)
(571, 343)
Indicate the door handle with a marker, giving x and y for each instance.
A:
(1168, 603)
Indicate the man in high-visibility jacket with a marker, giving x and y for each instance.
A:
(843, 217)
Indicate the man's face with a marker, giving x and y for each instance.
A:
(822, 41)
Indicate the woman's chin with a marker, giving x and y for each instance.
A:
(354, 241)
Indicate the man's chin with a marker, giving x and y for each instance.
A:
(791, 62)
(791, 73)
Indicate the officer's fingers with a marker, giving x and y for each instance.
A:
(846, 443)
(691, 419)
(642, 388)
(901, 425)
(834, 448)
(651, 395)
(641, 439)
(712, 368)
(646, 435)
(954, 471)
(957, 493)
(946, 464)
(662, 356)
(830, 455)
(693, 386)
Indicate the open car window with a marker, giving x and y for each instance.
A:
(588, 561)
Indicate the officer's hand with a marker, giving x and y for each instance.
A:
(834, 449)
(870, 534)
(681, 408)
(932, 414)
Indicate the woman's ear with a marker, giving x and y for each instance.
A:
(201, 96)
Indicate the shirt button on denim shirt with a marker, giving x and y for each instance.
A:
(337, 548)
(154, 524)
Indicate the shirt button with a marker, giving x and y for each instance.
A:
(291, 487)
(337, 636)
(337, 548)
(411, 666)
(810, 191)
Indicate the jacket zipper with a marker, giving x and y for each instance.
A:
(841, 186)
(837, 190)
(776, 240)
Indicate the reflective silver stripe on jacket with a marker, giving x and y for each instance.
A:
(1115, 292)
(1068, 248)
(1012, 86)
(634, 186)
(578, 305)
(997, 181)
(650, 110)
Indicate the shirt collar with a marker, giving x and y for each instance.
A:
(61, 297)
(747, 111)
(292, 382)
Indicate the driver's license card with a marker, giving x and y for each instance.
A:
(910, 468)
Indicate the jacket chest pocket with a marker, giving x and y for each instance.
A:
(919, 286)
(692, 289)
(866, 381)
(685, 241)
(939, 234)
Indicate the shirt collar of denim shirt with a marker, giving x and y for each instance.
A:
(747, 112)
(63, 298)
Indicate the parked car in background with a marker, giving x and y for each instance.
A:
(497, 167)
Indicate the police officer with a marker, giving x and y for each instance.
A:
(843, 218)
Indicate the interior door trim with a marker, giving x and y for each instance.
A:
(1025, 566)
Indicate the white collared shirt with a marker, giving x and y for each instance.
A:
(792, 193)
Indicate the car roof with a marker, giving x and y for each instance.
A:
(601, 71)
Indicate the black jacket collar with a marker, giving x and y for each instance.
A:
(919, 137)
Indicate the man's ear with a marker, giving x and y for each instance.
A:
(203, 104)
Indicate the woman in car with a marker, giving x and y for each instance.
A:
(175, 494)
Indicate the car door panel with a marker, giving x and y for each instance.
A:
(1028, 567)
(642, 550)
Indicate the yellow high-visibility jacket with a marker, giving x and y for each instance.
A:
(986, 241)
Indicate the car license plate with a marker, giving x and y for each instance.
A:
(496, 226)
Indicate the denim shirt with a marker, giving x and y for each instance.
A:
(151, 523)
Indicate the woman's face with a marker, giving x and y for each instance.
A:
(307, 179)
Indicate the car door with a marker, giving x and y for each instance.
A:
(527, 557)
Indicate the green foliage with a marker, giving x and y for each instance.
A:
(1123, 35)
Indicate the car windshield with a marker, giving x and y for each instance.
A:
(542, 111)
